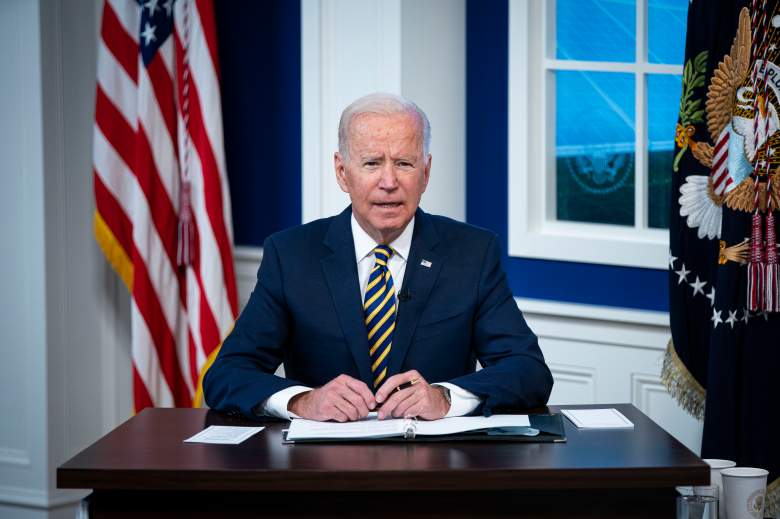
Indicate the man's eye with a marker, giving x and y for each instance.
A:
(405, 164)
(371, 163)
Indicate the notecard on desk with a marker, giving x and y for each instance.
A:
(224, 434)
(609, 418)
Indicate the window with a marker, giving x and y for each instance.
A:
(594, 91)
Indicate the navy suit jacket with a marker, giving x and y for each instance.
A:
(306, 311)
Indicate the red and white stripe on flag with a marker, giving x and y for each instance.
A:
(158, 147)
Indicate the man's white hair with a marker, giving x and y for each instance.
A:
(381, 103)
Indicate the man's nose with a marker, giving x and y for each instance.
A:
(389, 178)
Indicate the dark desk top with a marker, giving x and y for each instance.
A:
(147, 453)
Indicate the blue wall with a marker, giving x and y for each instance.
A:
(487, 108)
(259, 53)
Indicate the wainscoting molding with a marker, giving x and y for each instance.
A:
(14, 457)
(644, 388)
(577, 380)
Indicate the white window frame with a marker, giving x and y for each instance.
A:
(534, 231)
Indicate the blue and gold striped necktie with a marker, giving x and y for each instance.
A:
(379, 307)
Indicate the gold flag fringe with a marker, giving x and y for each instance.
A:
(681, 384)
(116, 255)
(199, 401)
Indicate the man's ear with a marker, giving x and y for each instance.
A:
(339, 166)
(427, 172)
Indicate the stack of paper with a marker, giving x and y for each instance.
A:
(301, 429)
(609, 418)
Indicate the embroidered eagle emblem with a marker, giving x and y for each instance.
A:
(740, 140)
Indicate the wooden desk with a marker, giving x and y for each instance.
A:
(143, 467)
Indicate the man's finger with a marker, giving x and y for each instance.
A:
(395, 381)
(401, 409)
(359, 387)
(418, 410)
(346, 407)
(396, 398)
(385, 389)
(338, 416)
(356, 400)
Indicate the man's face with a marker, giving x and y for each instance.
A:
(386, 173)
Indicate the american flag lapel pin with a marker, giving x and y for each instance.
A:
(426, 263)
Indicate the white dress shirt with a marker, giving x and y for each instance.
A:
(463, 401)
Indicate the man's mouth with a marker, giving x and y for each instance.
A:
(388, 205)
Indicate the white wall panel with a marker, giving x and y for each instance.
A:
(65, 378)
(350, 48)
(22, 284)
(573, 384)
(433, 72)
(81, 294)
(247, 262)
(651, 396)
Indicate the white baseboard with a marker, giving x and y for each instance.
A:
(40, 499)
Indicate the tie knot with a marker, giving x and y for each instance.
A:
(383, 252)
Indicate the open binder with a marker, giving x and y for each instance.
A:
(539, 428)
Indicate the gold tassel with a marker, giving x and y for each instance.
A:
(737, 253)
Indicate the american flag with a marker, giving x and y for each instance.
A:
(162, 202)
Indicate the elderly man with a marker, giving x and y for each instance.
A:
(382, 307)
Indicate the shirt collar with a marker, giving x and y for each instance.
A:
(365, 244)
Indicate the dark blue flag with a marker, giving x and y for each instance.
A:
(724, 358)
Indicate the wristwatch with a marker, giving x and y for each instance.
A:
(446, 393)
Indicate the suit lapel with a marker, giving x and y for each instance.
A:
(422, 269)
(340, 270)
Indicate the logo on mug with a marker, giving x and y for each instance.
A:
(755, 503)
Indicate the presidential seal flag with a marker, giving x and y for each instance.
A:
(162, 213)
(724, 356)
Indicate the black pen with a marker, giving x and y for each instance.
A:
(406, 385)
(401, 387)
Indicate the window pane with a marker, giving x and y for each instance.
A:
(596, 30)
(594, 139)
(663, 99)
(666, 21)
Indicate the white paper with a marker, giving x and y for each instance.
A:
(224, 434)
(609, 418)
(368, 428)
(372, 428)
(458, 424)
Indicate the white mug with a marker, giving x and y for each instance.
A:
(716, 466)
(744, 491)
